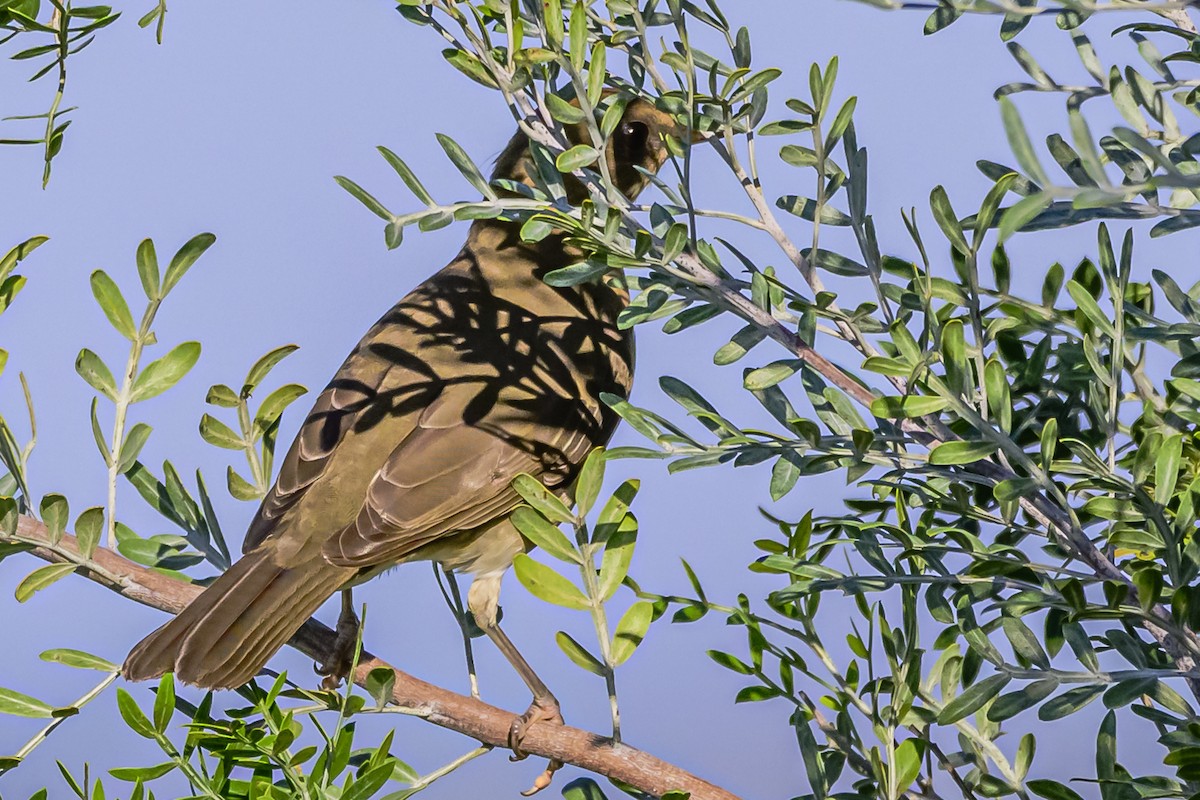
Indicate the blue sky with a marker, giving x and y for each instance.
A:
(236, 125)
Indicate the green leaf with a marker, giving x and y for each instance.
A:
(217, 433)
(132, 446)
(563, 111)
(542, 499)
(136, 774)
(546, 535)
(1024, 643)
(113, 304)
(575, 274)
(973, 699)
(731, 662)
(9, 517)
(22, 705)
(133, 716)
(40, 578)
(631, 630)
(9, 288)
(1166, 469)
(999, 396)
(814, 764)
(960, 452)
(587, 485)
(618, 552)
(784, 474)
(907, 407)
(675, 241)
(240, 488)
(805, 208)
(546, 584)
(907, 763)
(1013, 703)
(161, 375)
(941, 18)
(221, 395)
(577, 157)
(55, 513)
(772, 374)
(264, 365)
(407, 175)
(1091, 309)
(78, 659)
(583, 789)
(1049, 441)
(1018, 140)
(147, 266)
(947, 220)
(1021, 213)
(465, 165)
(470, 66)
(98, 434)
(88, 527)
(275, 404)
(755, 82)
(185, 258)
(990, 205)
(1125, 692)
(535, 229)
(578, 35)
(615, 509)
(96, 373)
(1069, 702)
(579, 654)
(393, 235)
(756, 694)
(379, 684)
(363, 196)
(164, 702)
(798, 156)
(1051, 790)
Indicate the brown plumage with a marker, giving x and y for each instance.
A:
(481, 373)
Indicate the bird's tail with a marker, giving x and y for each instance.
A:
(227, 633)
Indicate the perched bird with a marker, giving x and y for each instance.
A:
(481, 373)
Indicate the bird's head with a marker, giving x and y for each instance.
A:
(639, 140)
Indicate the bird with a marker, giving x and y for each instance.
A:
(481, 373)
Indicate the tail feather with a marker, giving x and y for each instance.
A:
(226, 635)
(249, 654)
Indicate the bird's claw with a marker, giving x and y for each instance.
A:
(341, 656)
(538, 711)
(544, 779)
(335, 670)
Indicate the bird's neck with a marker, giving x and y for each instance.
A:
(511, 265)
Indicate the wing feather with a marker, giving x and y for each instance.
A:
(449, 475)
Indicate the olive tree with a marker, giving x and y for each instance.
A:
(1017, 541)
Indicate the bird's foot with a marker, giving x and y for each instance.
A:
(341, 656)
(539, 711)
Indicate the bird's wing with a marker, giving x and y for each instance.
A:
(451, 475)
(368, 397)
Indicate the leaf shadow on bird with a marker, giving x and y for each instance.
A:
(481, 373)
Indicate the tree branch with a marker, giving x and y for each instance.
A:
(442, 707)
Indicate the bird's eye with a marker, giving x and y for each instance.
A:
(632, 140)
(635, 132)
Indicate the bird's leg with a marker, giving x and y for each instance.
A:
(544, 707)
(454, 600)
(337, 664)
(483, 600)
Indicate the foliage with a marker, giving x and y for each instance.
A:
(1021, 537)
